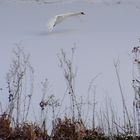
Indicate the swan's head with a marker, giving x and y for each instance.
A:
(82, 13)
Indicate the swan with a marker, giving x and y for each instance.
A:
(60, 18)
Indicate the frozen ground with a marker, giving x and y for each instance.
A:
(108, 30)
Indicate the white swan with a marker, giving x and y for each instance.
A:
(59, 18)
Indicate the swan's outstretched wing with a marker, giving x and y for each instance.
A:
(59, 18)
(51, 23)
(55, 20)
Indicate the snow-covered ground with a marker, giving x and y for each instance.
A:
(108, 31)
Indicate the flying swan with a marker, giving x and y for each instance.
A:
(59, 18)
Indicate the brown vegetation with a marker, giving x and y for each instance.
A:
(14, 123)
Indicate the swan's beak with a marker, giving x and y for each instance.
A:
(82, 13)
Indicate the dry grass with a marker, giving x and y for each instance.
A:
(71, 127)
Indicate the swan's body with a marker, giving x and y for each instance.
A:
(59, 18)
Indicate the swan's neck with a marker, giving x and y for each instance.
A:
(71, 14)
(75, 14)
